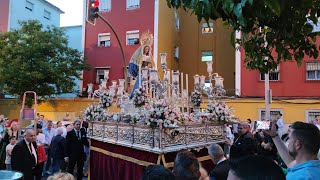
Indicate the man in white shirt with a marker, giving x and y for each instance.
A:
(280, 124)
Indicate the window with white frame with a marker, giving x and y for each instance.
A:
(29, 5)
(313, 70)
(206, 28)
(273, 113)
(104, 40)
(132, 37)
(311, 114)
(102, 73)
(47, 14)
(274, 75)
(132, 4)
(105, 5)
(206, 56)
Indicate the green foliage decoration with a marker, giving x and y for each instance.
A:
(283, 24)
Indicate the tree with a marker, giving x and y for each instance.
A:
(33, 58)
(286, 27)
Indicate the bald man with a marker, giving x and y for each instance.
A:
(24, 155)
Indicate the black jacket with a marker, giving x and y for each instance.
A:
(243, 146)
(22, 160)
(74, 146)
(58, 147)
(220, 171)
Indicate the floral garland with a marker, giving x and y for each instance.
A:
(139, 97)
(106, 99)
(221, 112)
(93, 112)
(196, 98)
(162, 113)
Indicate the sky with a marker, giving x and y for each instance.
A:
(73, 11)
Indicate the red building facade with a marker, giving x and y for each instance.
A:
(129, 21)
(289, 80)
(4, 15)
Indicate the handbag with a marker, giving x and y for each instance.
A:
(42, 157)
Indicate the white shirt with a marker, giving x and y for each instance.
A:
(33, 151)
(280, 126)
(8, 158)
(221, 160)
(41, 139)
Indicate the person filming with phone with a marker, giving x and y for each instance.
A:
(301, 154)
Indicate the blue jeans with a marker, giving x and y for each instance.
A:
(56, 164)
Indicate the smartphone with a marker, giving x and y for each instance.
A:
(263, 125)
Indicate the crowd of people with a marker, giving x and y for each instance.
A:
(47, 149)
(249, 152)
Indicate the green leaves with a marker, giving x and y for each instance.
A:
(289, 34)
(38, 59)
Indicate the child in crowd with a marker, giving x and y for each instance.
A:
(12, 140)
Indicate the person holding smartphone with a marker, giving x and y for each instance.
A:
(301, 154)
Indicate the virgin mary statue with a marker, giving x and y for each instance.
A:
(141, 58)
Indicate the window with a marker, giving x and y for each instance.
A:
(132, 37)
(206, 29)
(273, 113)
(132, 4)
(102, 73)
(29, 5)
(206, 56)
(104, 40)
(311, 114)
(46, 14)
(105, 5)
(274, 75)
(313, 70)
(176, 52)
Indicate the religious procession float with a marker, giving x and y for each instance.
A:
(158, 117)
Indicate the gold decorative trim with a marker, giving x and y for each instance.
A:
(122, 157)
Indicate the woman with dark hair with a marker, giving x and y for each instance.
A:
(12, 131)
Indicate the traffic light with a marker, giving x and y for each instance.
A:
(93, 9)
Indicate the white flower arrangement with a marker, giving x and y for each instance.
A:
(196, 98)
(93, 112)
(106, 99)
(163, 114)
(221, 112)
(139, 97)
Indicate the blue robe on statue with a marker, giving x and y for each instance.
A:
(134, 67)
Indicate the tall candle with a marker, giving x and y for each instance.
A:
(187, 85)
(121, 82)
(181, 83)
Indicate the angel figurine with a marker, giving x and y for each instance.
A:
(141, 58)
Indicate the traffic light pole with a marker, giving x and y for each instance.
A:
(122, 52)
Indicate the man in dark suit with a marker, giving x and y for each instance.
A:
(221, 170)
(24, 155)
(245, 144)
(75, 141)
(58, 152)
